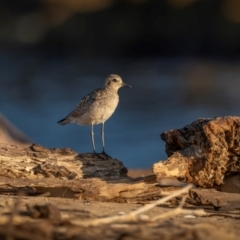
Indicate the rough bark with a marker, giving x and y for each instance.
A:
(117, 190)
(212, 197)
(203, 152)
(37, 162)
(64, 173)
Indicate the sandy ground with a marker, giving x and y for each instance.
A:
(73, 212)
(64, 219)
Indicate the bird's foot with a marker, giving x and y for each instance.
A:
(103, 155)
(106, 155)
(88, 155)
(96, 155)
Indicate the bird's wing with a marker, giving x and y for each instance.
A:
(85, 103)
(89, 99)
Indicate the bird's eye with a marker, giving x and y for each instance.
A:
(114, 80)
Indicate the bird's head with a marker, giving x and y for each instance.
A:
(115, 82)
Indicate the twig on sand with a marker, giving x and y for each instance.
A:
(179, 210)
(134, 215)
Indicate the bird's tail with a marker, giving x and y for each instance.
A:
(63, 121)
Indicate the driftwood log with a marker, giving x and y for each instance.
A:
(64, 173)
(37, 162)
(212, 197)
(38, 171)
(205, 152)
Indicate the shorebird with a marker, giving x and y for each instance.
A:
(97, 107)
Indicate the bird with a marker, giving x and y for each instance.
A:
(97, 107)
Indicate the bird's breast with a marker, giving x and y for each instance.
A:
(104, 108)
(99, 111)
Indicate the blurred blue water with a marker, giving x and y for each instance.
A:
(37, 90)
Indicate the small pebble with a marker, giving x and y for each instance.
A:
(189, 216)
(121, 213)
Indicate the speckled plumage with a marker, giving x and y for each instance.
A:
(97, 106)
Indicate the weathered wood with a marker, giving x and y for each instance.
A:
(64, 173)
(203, 152)
(212, 197)
(118, 190)
(37, 162)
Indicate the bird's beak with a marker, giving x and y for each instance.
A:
(126, 85)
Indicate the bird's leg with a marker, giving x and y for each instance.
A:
(102, 135)
(103, 144)
(92, 136)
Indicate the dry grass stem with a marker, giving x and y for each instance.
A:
(178, 211)
(133, 216)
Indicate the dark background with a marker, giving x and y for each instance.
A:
(133, 28)
(180, 56)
